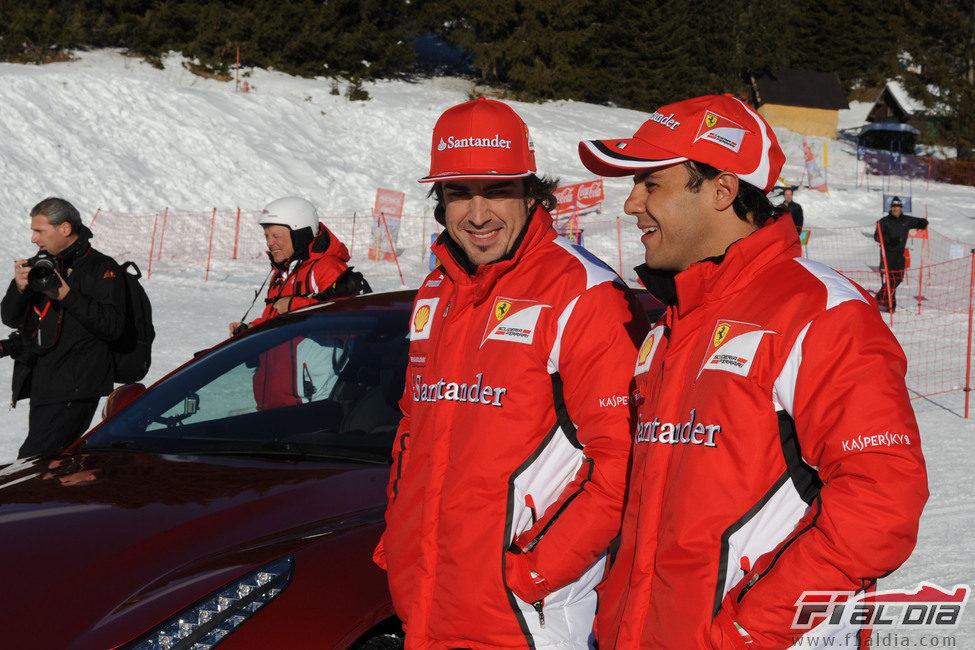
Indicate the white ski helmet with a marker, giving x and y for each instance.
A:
(291, 211)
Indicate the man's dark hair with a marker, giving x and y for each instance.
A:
(57, 212)
(750, 199)
(538, 190)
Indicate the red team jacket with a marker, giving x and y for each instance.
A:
(775, 451)
(304, 277)
(276, 381)
(516, 427)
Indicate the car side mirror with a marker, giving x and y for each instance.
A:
(121, 397)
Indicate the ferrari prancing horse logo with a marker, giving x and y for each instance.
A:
(720, 334)
(501, 309)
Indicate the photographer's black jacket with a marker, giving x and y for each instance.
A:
(66, 343)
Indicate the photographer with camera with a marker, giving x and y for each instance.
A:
(68, 303)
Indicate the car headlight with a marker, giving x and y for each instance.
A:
(206, 622)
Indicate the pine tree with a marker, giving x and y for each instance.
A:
(939, 68)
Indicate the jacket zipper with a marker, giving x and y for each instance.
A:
(539, 607)
(758, 576)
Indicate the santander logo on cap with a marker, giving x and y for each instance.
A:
(482, 138)
(497, 142)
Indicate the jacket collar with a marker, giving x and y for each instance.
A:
(714, 277)
(77, 249)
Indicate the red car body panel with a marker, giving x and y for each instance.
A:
(91, 567)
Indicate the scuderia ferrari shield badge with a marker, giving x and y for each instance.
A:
(733, 347)
(721, 131)
(513, 320)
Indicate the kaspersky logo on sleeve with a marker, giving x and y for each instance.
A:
(733, 347)
(513, 320)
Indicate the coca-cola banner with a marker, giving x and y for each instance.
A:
(579, 196)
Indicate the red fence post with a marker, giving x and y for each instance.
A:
(968, 359)
(237, 232)
(162, 235)
(920, 276)
(152, 244)
(213, 221)
(95, 217)
(389, 238)
(884, 271)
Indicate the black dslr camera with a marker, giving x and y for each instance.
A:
(41, 276)
(12, 345)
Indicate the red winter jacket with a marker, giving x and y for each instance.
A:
(775, 452)
(277, 380)
(302, 276)
(515, 428)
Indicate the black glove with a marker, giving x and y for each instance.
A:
(350, 283)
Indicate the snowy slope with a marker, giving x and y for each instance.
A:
(111, 132)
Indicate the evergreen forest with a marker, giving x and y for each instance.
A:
(621, 52)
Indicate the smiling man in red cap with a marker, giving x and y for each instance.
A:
(775, 451)
(509, 464)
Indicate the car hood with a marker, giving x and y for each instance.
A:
(100, 547)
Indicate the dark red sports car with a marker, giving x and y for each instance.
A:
(236, 502)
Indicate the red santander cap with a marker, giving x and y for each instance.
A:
(483, 138)
(717, 130)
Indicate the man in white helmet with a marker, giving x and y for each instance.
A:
(309, 261)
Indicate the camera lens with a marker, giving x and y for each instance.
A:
(42, 278)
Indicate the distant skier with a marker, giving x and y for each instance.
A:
(892, 232)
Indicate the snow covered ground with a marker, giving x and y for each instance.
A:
(111, 132)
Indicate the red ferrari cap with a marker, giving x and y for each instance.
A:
(717, 130)
(483, 138)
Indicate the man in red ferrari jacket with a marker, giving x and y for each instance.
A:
(776, 450)
(509, 464)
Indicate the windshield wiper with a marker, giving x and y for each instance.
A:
(291, 451)
(120, 445)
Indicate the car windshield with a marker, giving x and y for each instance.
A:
(322, 385)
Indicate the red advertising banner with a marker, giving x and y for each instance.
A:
(580, 196)
(389, 203)
(387, 214)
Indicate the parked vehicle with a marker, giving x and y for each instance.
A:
(211, 509)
